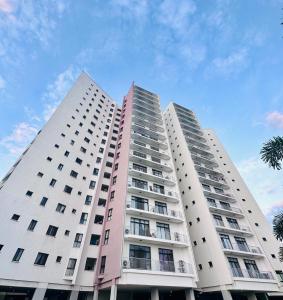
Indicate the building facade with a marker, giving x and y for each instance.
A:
(129, 203)
(235, 251)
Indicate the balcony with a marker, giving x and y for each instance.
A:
(216, 181)
(204, 160)
(200, 151)
(150, 175)
(259, 275)
(144, 130)
(147, 111)
(200, 145)
(233, 228)
(145, 93)
(225, 210)
(142, 101)
(147, 139)
(154, 212)
(220, 196)
(194, 136)
(207, 169)
(143, 122)
(148, 117)
(151, 192)
(148, 161)
(189, 121)
(155, 237)
(242, 250)
(142, 264)
(188, 128)
(144, 148)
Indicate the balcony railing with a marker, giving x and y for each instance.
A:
(155, 209)
(69, 272)
(232, 226)
(152, 173)
(242, 247)
(156, 234)
(150, 139)
(142, 121)
(136, 263)
(149, 188)
(144, 130)
(219, 195)
(225, 207)
(244, 273)
(204, 159)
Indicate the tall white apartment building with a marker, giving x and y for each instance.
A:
(235, 251)
(126, 203)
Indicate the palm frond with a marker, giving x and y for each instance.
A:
(278, 226)
(272, 152)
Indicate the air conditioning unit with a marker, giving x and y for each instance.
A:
(125, 264)
(127, 231)
(128, 205)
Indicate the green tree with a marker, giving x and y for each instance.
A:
(272, 154)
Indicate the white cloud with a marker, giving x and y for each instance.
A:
(175, 14)
(274, 119)
(57, 90)
(231, 64)
(264, 183)
(6, 6)
(134, 9)
(16, 142)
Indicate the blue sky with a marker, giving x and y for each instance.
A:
(221, 58)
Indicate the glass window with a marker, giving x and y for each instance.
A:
(139, 203)
(140, 227)
(41, 259)
(140, 257)
(32, 225)
(225, 239)
(166, 260)
(102, 265)
(71, 267)
(52, 230)
(18, 254)
(90, 263)
(163, 231)
(160, 208)
(83, 218)
(94, 239)
(78, 240)
(60, 208)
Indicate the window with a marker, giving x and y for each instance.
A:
(29, 193)
(78, 240)
(235, 267)
(107, 175)
(66, 153)
(114, 180)
(58, 259)
(252, 268)
(210, 264)
(78, 161)
(109, 164)
(88, 200)
(218, 220)
(41, 259)
(60, 167)
(233, 223)
(52, 230)
(71, 267)
(140, 257)
(87, 140)
(102, 265)
(163, 231)
(68, 189)
(98, 219)
(43, 201)
(101, 202)
(160, 208)
(49, 158)
(226, 243)
(72, 142)
(166, 260)
(139, 203)
(83, 218)
(83, 149)
(104, 188)
(140, 227)
(98, 160)
(32, 225)
(110, 154)
(94, 239)
(73, 174)
(1, 247)
(39, 174)
(95, 171)
(67, 232)
(109, 215)
(101, 150)
(106, 236)
(52, 182)
(60, 208)
(15, 217)
(112, 195)
(116, 166)
(18, 254)
(92, 184)
(90, 264)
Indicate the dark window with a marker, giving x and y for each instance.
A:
(52, 230)
(88, 200)
(18, 254)
(58, 259)
(49, 158)
(83, 149)
(78, 240)
(52, 182)
(29, 193)
(104, 188)
(73, 174)
(94, 239)
(39, 174)
(98, 160)
(41, 259)
(67, 153)
(92, 184)
(106, 175)
(60, 208)
(68, 189)
(98, 219)
(90, 264)
(106, 236)
(102, 265)
(83, 218)
(101, 202)
(78, 161)
(15, 217)
(43, 201)
(109, 215)
(60, 167)
(32, 225)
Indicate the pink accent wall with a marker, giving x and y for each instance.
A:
(113, 251)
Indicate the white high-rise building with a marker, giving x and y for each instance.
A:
(234, 248)
(127, 203)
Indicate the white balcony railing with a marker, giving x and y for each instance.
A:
(255, 274)
(136, 263)
(242, 247)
